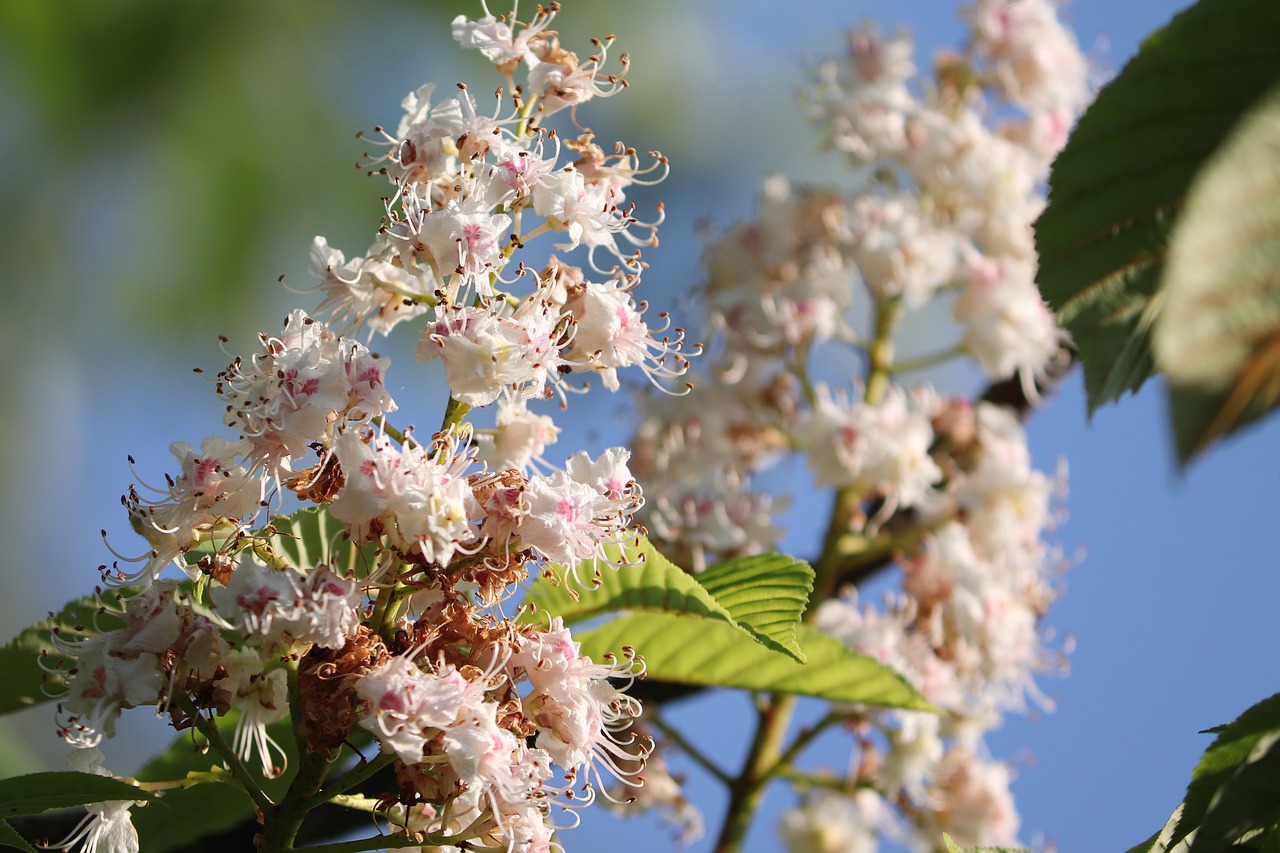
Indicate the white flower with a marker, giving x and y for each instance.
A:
(880, 448)
(828, 822)
(108, 828)
(419, 496)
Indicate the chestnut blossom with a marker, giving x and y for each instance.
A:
(306, 383)
(488, 355)
(211, 496)
(881, 449)
(827, 822)
(418, 496)
(391, 621)
(108, 828)
(518, 438)
(373, 290)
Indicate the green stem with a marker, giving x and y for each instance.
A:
(841, 537)
(351, 778)
(880, 353)
(746, 791)
(282, 823)
(209, 729)
(383, 424)
(782, 765)
(922, 362)
(193, 778)
(809, 780)
(857, 564)
(377, 842)
(688, 749)
(454, 413)
(356, 802)
(767, 759)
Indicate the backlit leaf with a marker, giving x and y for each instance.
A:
(688, 650)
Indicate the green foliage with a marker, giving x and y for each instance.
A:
(687, 650)
(1218, 336)
(652, 583)
(24, 683)
(39, 792)
(1234, 795)
(9, 837)
(184, 815)
(766, 593)
(1118, 187)
(762, 595)
(304, 540)
(735, 625)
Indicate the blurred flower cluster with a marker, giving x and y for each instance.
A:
(951, 167)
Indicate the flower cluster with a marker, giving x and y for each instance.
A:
(394, 627)
(940, 484)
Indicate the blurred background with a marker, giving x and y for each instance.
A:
(161, 165)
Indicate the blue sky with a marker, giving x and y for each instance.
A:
(1170, 607)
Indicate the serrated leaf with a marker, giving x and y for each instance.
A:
(653, 583)
(687, 650)
(1218, 336)
(1118, 186)
(60, 789)
(1220, 761)
(183, 815)
(24, 681)
(1160, 842)
(766, 594)
(9, 837)
(1248, 800)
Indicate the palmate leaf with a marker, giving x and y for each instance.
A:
(1119, 185)
(1218, 336)
(688, 650)
(766, 593)
(763, 595)
(24, 684)
(652, 583)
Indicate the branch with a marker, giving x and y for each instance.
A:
(689, 749)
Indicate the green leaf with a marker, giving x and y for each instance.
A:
(688, 650)
(766, 594)
(1249, 800)
(1119, 185)
(1218, 335)
(304, 540)
(1220, 762)
(182, 816)
(24, 683)
(1160, 842)
(9, 837)
(39, 792)
(655, 584)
